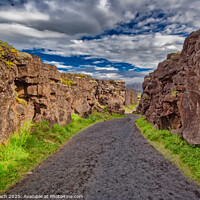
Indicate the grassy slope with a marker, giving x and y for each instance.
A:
(130, 108)
(185, 156)
(35, 143)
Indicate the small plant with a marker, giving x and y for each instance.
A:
(66, 82)
(6, 48)
(10, 64)
(2, 53)
(19, 100)
(174, 92)
(144, 99)
(6, 45)
(175, 55)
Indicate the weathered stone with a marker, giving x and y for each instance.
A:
(171, 94)
(82, 107)
(108, 93)
(43, 93)
(131, 97)
(7, 99)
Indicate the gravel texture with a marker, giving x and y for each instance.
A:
(109, 160)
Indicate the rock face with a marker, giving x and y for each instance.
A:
(131, 97)
(171, 94)
(87, 93)
(32, 90)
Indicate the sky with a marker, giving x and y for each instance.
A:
(107, 39)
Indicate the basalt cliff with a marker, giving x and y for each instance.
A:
(130, 97)
(171, 94)
(31, 90)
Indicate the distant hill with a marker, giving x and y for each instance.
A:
(136, 86)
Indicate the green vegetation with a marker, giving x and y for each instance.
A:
(139, 96)
(10, 64)
(173, 147)
(4, 48)
(102, 107)
(175, 55)
(130, 108)
(35, 142)
(19, 100)
(133, 106)
(174, 92)
(66, 82)
(7, 46)
(144, 99)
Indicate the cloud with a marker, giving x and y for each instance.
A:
(14, 29)
(143, 51)
(58, 64)
(135, 35)
(18, 16)
(106, 68)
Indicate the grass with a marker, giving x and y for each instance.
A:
(4, 47)
(130, 108)
(185, 156)
(66, 82)
(35, 142)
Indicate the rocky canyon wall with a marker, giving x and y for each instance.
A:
(34, 91)
(130, 97)
(171, 94)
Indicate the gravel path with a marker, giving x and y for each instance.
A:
(110, 160)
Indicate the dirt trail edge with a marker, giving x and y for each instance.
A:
(109, 160)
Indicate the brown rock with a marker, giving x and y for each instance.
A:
(171, 94)
(43, 93)
(82, 107)
(131, 97)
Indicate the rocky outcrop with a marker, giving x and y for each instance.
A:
(171, 94)
(32, 90)
(87, 93)
(131, 97)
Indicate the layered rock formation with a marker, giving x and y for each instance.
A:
(171, 94)
(32, 90)
(88, 94)
(131, 97)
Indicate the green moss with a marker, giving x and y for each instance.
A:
(10, 64)
(144, 99)
(19, 100)
(4, 48)
(174, 92)
(173, 147)
(175, 55)
(6, 45)
(66, 82)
